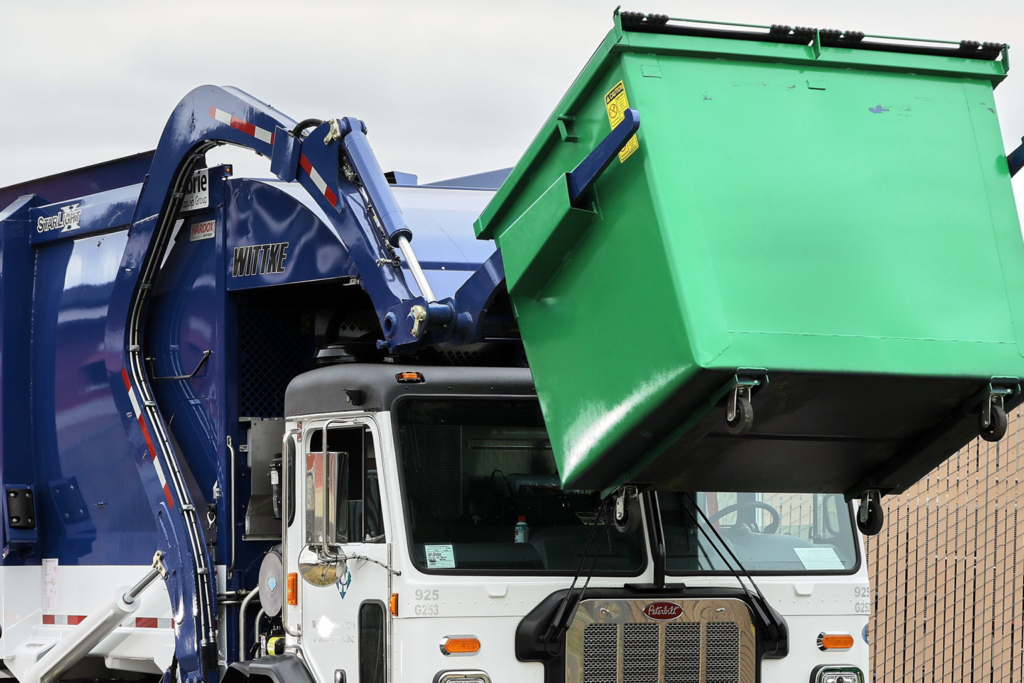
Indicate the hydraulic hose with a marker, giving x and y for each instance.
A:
(304, 124)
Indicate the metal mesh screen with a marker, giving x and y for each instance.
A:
(682, 653)
(274, 345)
(600, 653)
(640, 653)
(948, 572)
(723, 653)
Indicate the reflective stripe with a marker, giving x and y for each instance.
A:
(148, 439)
(318, 180)
(260, 134)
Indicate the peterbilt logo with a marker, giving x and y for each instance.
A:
(259, 259)
(663, 611)
(66, 220)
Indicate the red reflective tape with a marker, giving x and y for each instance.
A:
(245, 127)
(304, 163)
(145, 435)
(124, 376)
(49, 620)
(272, 139)
(213, 112)
(167, 495)
(146, 622)
(75, 619)
(331, 197)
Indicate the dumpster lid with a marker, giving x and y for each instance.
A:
(662, 35)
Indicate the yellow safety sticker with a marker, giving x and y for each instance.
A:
(616, 103)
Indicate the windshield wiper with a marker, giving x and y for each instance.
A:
(776, 625)
(566, 612)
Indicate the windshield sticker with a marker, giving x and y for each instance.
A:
(440, 556)
(819, 558)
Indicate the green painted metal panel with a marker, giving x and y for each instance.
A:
(842, 220)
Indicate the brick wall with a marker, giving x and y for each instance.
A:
(948, 571)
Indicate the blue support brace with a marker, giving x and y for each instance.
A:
(1016, 159)
(586, 173)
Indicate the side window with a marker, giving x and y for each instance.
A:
(373, 518)
(290, 494)
(358, 509)
(371, 643)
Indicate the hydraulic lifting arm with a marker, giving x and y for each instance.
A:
(334, 163)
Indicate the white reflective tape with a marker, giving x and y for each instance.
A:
(135, 403)
(222, 116)
(263, 135)
(317, 180)
(159, 472)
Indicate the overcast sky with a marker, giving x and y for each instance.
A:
(446, 88)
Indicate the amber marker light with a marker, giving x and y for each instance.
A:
(293, 589)
(834, 641)
(460, 645)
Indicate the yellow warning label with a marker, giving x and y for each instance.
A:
(616, 103)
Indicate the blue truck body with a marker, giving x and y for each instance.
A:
(229, 316)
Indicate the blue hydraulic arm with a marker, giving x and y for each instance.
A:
(1016, 159)
(334, 163)
(206, 117)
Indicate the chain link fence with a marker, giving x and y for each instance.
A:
(948, 572)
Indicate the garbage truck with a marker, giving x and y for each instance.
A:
(620, 413)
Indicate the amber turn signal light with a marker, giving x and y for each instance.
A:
(293, 588)
(460, 645)
(834, 641)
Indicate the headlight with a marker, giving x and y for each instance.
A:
(837, 674)
(462, 677)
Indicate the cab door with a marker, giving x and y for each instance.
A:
(344, 562)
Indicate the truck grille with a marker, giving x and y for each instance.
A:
(614, 641)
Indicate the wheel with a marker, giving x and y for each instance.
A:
(631, 518)
(873, 524)
(744, 418)
(996, 429)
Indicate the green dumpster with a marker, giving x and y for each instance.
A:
(805, 273)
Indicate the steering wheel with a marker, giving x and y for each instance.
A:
(729, 509)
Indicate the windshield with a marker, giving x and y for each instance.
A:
(768, 532)
(482, 494)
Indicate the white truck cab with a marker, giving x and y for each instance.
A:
(427, 538)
